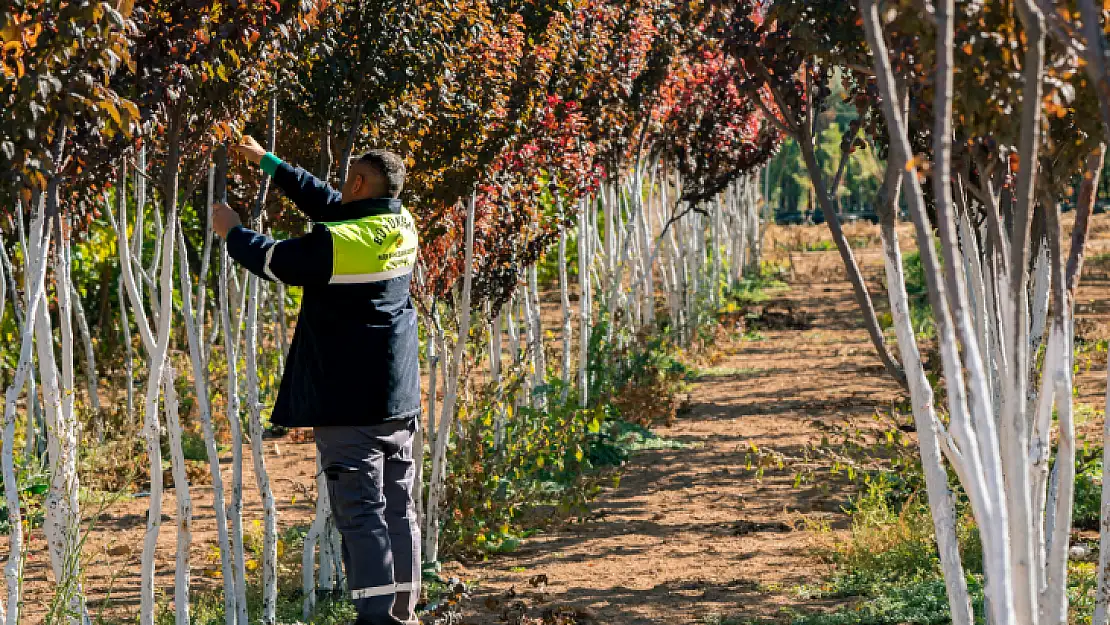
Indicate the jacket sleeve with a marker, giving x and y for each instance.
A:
(313, 197)
(302, 261)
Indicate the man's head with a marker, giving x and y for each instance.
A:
(376, 174)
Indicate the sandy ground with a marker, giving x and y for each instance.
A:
(689, 535)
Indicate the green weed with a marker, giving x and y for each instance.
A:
(192, 446)
(752, 290)
(921, 602)
(1086, 513)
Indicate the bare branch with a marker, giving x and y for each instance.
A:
(1088, 191)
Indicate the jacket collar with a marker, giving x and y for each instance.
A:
(372, 206)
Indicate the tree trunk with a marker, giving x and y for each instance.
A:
(63, 512)
(584, 304)
(715, 250)
(941, 500)
(181, 492)
(564, 304)
(129, 352)
(1102, 598)
(235, 510)
(349, 146)
(194, 322)
(539, 362)
(34, 290)
(156, 346)
(851, 266)
(254, 406)
(495, 375)
(439, 454)
(90, 356)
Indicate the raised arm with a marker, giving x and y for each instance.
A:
(301, 261)
(313, 197)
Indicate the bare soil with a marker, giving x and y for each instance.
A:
(688, 535)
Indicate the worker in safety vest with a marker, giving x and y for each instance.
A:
(353, 371)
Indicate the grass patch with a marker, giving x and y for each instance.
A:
(1099, 259)
(922, 603)
(888, 572)
(1088, 489)
(753, 291)
(921, 314)
(624, 439)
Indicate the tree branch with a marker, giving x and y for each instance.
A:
(1088, 191)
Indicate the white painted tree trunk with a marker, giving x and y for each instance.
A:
(1041, 281)
(63, 513)
(564, 305)
(715, 250)
(235, 508)
(607, 198)
(973, 455)
(756, 224)
(184, 519)
(496, 379)
(584, 304)
(254, 407)
(32, 444)
(34, 291)
(157, 347)
(434, 356)
(615, 298)
(194, 324)
(539, 360)
(647, 255)
(941, 500)
(254, 411)
(129, 352)
(512, 328)
(1102, 597)
(529, 340)
(311, 540)
(439, 453)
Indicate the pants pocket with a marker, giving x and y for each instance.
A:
(353, 498)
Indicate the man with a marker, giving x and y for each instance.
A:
(353, 371)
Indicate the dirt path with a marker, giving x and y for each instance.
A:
(691, 535)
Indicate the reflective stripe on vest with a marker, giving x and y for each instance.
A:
(374, 248)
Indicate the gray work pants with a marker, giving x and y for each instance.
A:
(370, 472)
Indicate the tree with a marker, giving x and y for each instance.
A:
(788, 65)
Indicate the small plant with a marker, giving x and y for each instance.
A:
(33, 483)
(192, 446)
(752, 335)
(1086, 513)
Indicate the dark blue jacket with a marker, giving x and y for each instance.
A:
(354, 359)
